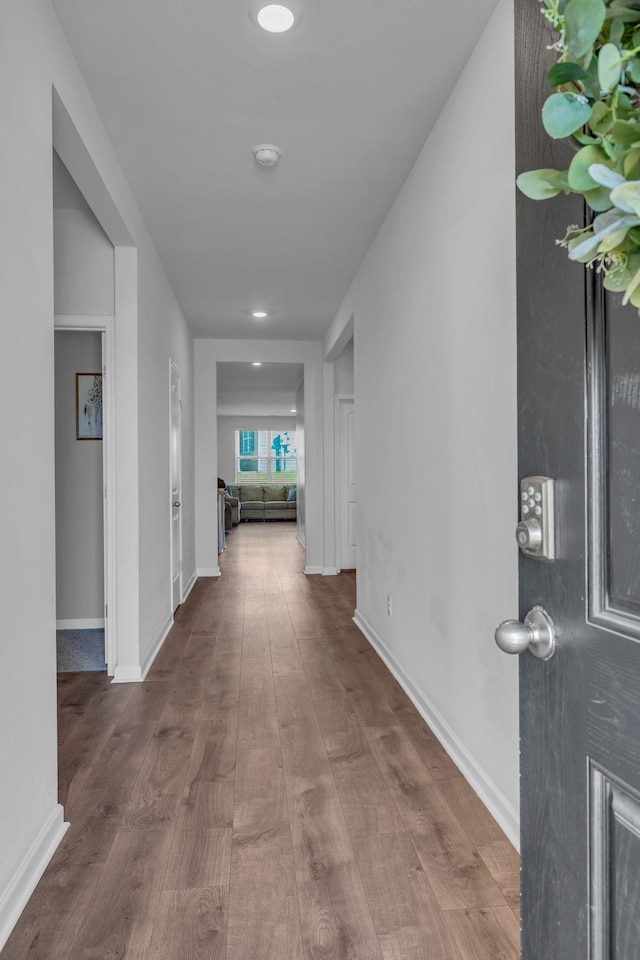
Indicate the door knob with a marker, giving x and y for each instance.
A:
(536, 634)
(176, 503)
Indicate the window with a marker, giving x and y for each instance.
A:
(265, 456)
(248, 440)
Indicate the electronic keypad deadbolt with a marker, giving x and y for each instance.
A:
(536, 531)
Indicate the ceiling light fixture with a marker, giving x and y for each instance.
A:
(275, 18)
(293, 411)
(256, 363)
(267, 154)
(259, 314)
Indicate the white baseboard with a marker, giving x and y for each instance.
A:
(23, 883)
(313, 569)
(189, 587)
(86, 624)
(491, 796)
(208, 572)
(131, 674)
(329, 572)
(135, 673)
(155, 649)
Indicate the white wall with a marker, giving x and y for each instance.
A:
(435, 372)
(343, 367)
(34, 59)
(83, 258)
(84, 265)
(207, 354)
(227, 426)
(79, 512)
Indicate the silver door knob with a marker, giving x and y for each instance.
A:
(536, 634)
(176, 503)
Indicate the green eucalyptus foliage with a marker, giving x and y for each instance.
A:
(583, 20)
(564, 114)
(595, 106)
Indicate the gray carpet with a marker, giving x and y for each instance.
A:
(80, 650)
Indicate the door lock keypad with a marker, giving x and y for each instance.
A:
(535, 531)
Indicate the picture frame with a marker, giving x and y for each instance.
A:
(88, 406)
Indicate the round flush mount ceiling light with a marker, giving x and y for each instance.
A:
(267, 154)
(256, 363)
(275, 18)
(259, 314)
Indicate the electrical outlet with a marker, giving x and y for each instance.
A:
(388, 606)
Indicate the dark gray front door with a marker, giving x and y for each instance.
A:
(579, 423)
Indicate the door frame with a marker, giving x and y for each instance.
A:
(340, 399)
(106, 326)
(174, 370)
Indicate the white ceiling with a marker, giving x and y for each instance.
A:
(186, 89)
(268, 390)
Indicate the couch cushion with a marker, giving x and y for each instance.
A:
(234, 490)
(275, 494)
(291, 496)
(252, 493)
(252, 508)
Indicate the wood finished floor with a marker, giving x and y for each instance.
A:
(269, 793)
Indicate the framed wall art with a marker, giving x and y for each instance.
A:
(89, 406)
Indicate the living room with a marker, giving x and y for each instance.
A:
(257, 439)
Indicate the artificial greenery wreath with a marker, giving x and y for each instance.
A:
(597, 87)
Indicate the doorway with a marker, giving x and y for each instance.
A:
(101, 500)
(340, 451)
(175, 447)
(84, 299)
(259, 439)
(345, 483)
(80, 516)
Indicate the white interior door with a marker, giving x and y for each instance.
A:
(176, 491)
(346, 483)
(106, 386)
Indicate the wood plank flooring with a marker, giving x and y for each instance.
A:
(269, 793)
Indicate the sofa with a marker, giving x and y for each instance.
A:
(232, 505)
(268, 501)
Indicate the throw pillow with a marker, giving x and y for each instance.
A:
(272, 494)
(291, 496)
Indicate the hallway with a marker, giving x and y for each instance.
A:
(269, 793)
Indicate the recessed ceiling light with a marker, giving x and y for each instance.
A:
(259, 314)
(293, 411)
(275, 18)
(256, 364)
